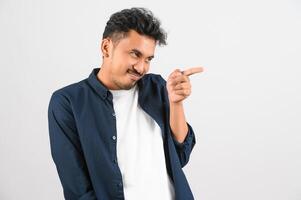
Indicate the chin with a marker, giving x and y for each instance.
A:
(126, 86)
(129, 86)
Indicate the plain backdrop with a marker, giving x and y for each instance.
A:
(244, 108)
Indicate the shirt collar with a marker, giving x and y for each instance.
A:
(100, 88)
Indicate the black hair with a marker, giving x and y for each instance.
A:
(139, 19)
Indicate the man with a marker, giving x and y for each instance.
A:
(121, 133)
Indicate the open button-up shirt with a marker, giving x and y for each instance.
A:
(82, 132)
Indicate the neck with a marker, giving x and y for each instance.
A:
(103, 76)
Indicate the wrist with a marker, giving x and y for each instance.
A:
(176, 104)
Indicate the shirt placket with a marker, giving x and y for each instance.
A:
(117, 183)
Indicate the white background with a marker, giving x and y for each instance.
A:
(244, 108)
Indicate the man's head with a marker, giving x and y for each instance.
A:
(128, 45)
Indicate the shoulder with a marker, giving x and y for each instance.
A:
(154, 85)
(64, 95)
(155, 78)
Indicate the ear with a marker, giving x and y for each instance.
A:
(106, 46)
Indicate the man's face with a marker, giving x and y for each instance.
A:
(130, 59)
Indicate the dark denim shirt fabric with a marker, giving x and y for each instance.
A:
(82, 133)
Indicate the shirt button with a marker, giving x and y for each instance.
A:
(119, 184)
(114, 137)
(114, 114)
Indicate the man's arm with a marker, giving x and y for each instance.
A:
(66, 150)
(184, 149)
(181, 131)
(177, 121)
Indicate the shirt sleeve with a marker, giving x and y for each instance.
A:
(66, 150)
(183, 149)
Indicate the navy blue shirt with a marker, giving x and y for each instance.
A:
(82, 132)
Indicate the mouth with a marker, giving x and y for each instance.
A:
(134, 76)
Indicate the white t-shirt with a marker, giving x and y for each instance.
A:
(140, 151)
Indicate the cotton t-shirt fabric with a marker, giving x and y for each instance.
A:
(140, 150)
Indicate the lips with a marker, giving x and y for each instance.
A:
(134, 76)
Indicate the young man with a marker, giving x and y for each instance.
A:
(121, 133)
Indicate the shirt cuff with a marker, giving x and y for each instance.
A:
(188, 139)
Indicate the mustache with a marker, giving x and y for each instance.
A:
(135, 73)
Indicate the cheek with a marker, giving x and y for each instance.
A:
(147, 67)
(121, 69)
(130, 62)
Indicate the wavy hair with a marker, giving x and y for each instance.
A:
(139, 19)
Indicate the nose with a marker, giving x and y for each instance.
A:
(139, 68)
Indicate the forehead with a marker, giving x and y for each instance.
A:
(142, 43)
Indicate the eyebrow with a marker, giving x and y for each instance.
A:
(140, 53)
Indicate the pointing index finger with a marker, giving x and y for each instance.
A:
(192, 70)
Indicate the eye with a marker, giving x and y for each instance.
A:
(134, 54)
(149, 60)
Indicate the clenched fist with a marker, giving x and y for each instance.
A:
(178, 84)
